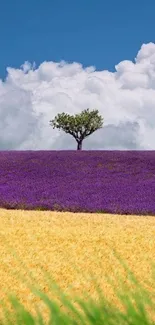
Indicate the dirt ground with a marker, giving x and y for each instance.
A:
(58, 241)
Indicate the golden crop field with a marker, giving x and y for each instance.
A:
(59, 240)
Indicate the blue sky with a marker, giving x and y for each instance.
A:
(108, 35)
(100, 33)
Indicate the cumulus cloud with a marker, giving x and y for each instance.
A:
(30, 97)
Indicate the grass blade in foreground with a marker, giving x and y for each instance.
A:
(93, 313)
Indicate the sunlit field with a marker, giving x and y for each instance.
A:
(64, 242)
(58, 241)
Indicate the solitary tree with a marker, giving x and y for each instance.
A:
(79, 126)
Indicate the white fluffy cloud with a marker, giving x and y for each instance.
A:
(30, 97)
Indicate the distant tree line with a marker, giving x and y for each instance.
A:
(79, 126)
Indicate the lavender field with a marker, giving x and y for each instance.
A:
(121, 182)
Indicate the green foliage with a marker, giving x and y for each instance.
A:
(79, 126)
(101, 312)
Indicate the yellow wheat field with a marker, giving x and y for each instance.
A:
(58, 241)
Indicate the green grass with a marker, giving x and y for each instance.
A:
(92, 312)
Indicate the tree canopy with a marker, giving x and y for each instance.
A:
(79, 126)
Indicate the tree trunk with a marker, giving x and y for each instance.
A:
(79, 146)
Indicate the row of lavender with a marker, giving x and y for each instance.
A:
(120, 182)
